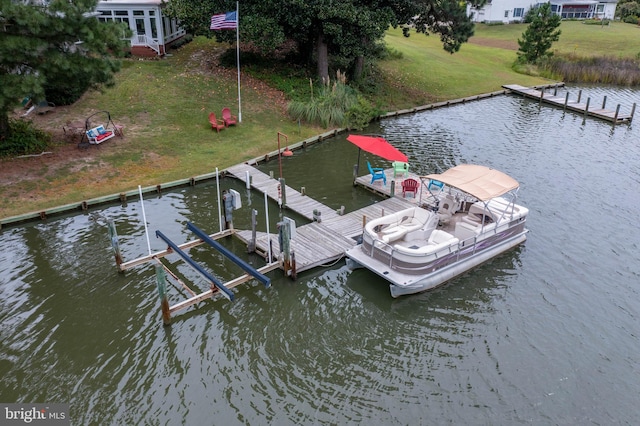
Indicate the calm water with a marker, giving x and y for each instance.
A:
(545, 334)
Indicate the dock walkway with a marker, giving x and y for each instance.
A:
(576, 106)
(316, 243)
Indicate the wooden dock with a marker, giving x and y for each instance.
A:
(586, 109)
(316, 243)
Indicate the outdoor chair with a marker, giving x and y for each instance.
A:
(229, 120)
(410, 185)
(400, 168)
(377, 173)
(216, 124)
(435, 185)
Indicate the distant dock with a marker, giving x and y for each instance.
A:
(586, 109)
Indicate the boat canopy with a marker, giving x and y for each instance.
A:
(482, 182)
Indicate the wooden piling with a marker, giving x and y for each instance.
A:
(633, 111)
(615, 117)
(161, 281)
(579, 95)
(541, 96)
(586, 109)
(566, 101)
(604, 102)
(251, 247)
(113, 236)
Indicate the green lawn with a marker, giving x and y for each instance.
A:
(614, 39)
(164, 104)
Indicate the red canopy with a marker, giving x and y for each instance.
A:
(377, 146)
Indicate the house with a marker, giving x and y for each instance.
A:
(507, 11)
(152, 31)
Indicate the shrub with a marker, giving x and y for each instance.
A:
(23, 138)
(334, 104)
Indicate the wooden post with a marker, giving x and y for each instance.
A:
(251, 247)
(161, 281)
(566, 101)
(604, 102)
(586, 108)
(579, 95)
(541, 95)
(294, 274)
(555, 89)
(283, 192)
(633, 111)
(247, 177)
(615, 117)
(285, 246)
(392, 189)
(113, 236)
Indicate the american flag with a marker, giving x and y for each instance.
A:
(224, 21)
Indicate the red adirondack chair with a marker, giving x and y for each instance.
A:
(216, 123)
(410, 185)
(229, 120)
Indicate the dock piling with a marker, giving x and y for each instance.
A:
(161, 281)
(566, 101)
(633, 111)
(251, 247)
(113, 236)
(604, 102)
(579, 95)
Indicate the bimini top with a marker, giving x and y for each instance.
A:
(482, 182)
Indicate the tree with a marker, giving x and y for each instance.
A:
(628, 9)
(53, 44)
(329, 33)
(539, 35)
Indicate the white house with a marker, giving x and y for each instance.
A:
(507, 11)
(152, 31)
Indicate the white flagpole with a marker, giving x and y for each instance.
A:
(238, 58)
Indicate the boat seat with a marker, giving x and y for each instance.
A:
(438, 237)
(448, 206)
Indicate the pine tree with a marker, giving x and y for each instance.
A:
(539, 35)
(52, 44)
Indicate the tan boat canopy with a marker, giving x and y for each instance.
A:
(482, 182)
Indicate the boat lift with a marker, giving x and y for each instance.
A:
(216, 287)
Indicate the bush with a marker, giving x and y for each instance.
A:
(334, 104)
(596, 22)
(631, 20)
(23, 138)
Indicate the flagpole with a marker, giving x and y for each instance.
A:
(238, 58)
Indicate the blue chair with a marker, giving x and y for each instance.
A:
(377, 173)
(433, 184)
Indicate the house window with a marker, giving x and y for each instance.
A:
(518, 12)
(506, 13)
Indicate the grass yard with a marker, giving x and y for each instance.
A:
(164, 104)
(576, 38)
